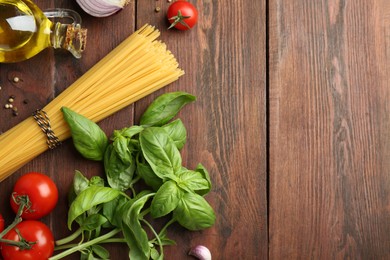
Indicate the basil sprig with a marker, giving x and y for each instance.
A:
(119, 201)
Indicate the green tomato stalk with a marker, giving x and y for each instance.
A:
(24, 203)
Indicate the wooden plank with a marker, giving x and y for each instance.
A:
(224, 58)
(224, 61)
(329, 137)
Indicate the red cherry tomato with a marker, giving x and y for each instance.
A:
(34, 232)
(182, 15)
(1, 223)
(42, 194)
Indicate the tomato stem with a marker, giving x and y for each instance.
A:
(14, 223)
(18, 218)
(22, 244)
(179, 18)
(24, 203)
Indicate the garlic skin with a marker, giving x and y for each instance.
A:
(200, 252)
(102, 8)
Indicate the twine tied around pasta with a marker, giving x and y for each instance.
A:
(43, 122)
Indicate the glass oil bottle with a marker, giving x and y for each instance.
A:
(25, 31)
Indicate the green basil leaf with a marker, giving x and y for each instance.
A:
(147, 174)
(100, 251)
(85, 255)
(194, 212)
(80, 182)
(165, 200)
(194, 181)
(113, 210)
(165, 240)
(165, 107)
(134, 146)
(121, 147)
(88, 199)
(160, 152)
(135, 235)
(154, 254)
(129, 132)
(135, 250)
(96, 181)
(168, 242)
(88, 138)
(93, 222)
(177, 132)
(119, 174)
(202, 170)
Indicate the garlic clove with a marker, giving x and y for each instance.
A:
(200, 252)
(102, 8)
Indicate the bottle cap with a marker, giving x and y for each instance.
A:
(76, 39)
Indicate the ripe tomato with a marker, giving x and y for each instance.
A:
(182, 15)
(1, 223)
(32, 231)
(41, 191)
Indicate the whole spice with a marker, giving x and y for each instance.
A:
(15, 111)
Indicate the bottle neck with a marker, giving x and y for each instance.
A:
(70, 37)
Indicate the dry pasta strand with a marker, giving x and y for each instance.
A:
(138, 66)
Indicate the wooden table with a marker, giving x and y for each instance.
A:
(292, 121)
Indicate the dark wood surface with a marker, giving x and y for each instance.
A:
(329, 94)
(292, 122)
(224, 61)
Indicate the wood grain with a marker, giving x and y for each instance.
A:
(329, 138)
(224, 61)
(224, 57)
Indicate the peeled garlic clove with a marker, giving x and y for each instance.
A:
(200, 252)
(102, 8)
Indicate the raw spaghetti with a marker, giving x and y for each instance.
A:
(137, 67)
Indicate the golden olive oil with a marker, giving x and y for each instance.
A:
(24, 30)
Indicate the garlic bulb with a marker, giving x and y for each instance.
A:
(102, 8)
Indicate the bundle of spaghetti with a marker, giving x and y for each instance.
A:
(140, 65)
